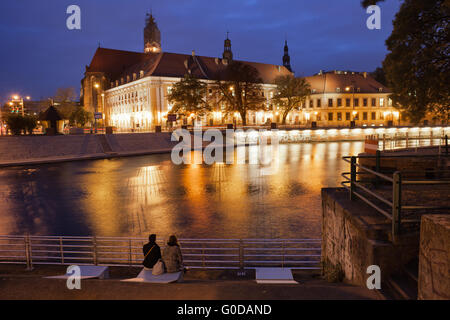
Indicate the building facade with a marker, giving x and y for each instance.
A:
(130, 90)
(340, 97)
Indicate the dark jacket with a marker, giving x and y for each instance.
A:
(153, 256)
(172, 258)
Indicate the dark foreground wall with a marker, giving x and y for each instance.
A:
(434, 258)
(354, 236)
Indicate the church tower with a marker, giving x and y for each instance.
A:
(227, 54)
(152, 35)
(286, 58)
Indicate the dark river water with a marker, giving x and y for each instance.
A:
(149, 194)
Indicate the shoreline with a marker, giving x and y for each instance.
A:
(18, 151)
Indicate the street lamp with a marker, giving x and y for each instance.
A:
(353, 100)
(96, 86)
(18, 99)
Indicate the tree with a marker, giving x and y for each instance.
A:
(65, 95)
(30, 123)
(291, 93)
(379, 75)
(80, 117)
(189, 96)
(240, 89)
(64, 100)
(14, 122)
(417, 67)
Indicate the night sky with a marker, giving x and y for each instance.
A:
(39, 54)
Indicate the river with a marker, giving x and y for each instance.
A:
(135, 196)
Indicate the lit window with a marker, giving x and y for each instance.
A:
(381, 102)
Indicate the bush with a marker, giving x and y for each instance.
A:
(18, 123)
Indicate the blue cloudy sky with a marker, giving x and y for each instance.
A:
(39, 54)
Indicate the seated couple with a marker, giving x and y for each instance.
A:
(171, 256)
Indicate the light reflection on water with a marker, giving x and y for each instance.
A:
(139, 195)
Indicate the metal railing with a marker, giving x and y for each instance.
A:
(391, 209)
(197, 253)
(407, 141)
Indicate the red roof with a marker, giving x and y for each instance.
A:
(328, 82)
(120, 64)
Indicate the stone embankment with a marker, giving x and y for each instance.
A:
(26, 150)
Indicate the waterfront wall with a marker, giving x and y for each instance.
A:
(434, 257)
(19, 150)
(354, 236)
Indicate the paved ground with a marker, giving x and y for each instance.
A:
(16, 283)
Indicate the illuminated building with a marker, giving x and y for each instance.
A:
(130, 88)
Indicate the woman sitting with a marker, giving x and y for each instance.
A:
(172, 258)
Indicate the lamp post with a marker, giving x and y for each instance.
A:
(96, 86)
(353, 101)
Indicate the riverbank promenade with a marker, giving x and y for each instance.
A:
(34, 150)
(17, 283)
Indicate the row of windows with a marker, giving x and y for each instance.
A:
(338, 89)
(352, 116)
(348, 102)
(128, 79)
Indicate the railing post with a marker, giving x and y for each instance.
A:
(61, 250)
(94, 252)
(352, 176)
(446, 144)
(407, 141)
(130, 256)
(396, 204)
(377, 166)
(203, 255)
(241, 258)
(384, 141)
(283, 251)
(28, 252)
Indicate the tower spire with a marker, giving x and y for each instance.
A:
(152, 35)
(227, 53)
(286, 57)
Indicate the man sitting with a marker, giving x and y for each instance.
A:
(152, 252)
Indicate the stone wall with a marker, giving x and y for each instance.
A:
(33, 147)
(355, 236)
(434, 257)
(41, 149)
